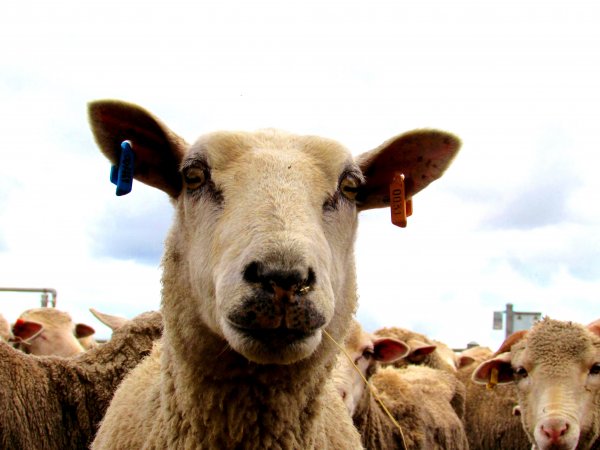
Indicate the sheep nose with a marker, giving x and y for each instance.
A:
(280, 299)
(554, 429)
(283, 284)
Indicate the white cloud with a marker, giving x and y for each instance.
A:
(517, 81)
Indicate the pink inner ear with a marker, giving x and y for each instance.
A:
(418, 351)
(482, 373)
(388, 350)
(25, 329)
(82, 330)
(594, 327)
(465, 360)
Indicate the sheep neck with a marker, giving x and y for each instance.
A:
(250, 402)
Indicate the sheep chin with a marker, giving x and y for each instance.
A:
(272, 346)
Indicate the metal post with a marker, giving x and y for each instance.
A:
(509, 319)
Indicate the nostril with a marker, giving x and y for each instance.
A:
(252, 272)
(274, 280)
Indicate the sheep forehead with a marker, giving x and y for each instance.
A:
(556, 344)
(234, 151)
(49, 317)
(357, 339)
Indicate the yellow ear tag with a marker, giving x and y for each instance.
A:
(399, 206)
(493, 379)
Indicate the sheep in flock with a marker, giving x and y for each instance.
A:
(490, 421)
(423, 350)
(5, 333)
(59, 335)
(419, 398)
(258, 265)
(555, 367)
(51, 402)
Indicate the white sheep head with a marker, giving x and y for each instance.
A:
(261, 249)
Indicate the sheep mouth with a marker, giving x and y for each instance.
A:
(275, 337)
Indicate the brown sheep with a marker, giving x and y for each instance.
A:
(555, 368)
(51, 402)
(419, 398)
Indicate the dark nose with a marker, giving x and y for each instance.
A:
(284, 284)
(280, 300)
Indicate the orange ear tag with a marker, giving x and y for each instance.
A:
(493, 379)
(399, 206)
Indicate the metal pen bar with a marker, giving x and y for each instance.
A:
(43, 291)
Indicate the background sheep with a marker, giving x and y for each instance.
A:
(56, 403)
(423, 350)
(420, 398)
(490, 422)
(258, 263)
(59, 335)
(5, 333)
(555, 367)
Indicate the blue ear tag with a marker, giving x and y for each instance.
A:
(122, 175)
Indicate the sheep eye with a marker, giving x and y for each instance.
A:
(349, 186)
(520, 372)
(194, 177)
(368, 353)
(595, 370)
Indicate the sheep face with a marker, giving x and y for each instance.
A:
(58, 333)
(266, 224)
(556, 368)
(261, 251)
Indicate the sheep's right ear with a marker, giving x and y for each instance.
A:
(389, 350)
(483, 374)
(594, 327)
(25, 330)
(421, 155)
(419, 350)
(82, 330)
(157, 150)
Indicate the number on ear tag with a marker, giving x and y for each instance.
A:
(400, 207)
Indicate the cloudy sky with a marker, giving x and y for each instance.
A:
(514, 220)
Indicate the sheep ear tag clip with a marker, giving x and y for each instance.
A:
(400, 207)
(122, 174)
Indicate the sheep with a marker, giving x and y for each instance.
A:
(423, 351)
(555, 367)
(59, 335)
(51, 402)
(5, 332)
(258, 265)
(490, 420)
(420, 398)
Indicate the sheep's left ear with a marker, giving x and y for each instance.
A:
(421, 155)
(501, 364)
(389, 350)
(157, 150)
(24, 330)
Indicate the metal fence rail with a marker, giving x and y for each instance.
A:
(43, 291)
